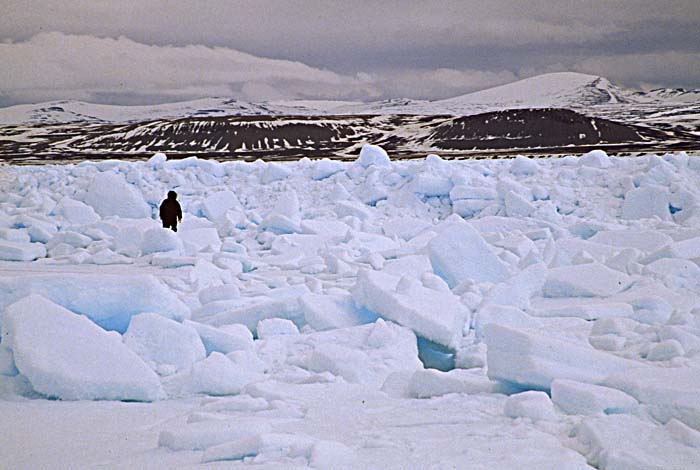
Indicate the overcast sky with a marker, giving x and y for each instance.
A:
(144, 52)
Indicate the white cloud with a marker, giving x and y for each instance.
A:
(349, 38)
(57, 65)
(60, 66)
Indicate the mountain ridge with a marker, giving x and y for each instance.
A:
(554, 90)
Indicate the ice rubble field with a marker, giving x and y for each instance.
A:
(508, 313)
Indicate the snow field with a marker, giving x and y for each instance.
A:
(561, 295)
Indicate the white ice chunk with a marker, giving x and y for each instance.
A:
(327, 228)
(431, 185)
(682, 433)
(215, 375)
(595, 159)
(274, 172)
(532, 404)
(625, 442)
(66, 356)
(276, 326)
(216, 205)
(613, 325)
(643, 240)
(428, 383)
(577, 398)
(285, 216)
(459, 253)
(365, 354)
(523, 166)
(339, 360)
(277, 303)
(160, 239)
(292, 446)
(205, 274)
(200, 238)
(109, 299)
(371, 191)
(14, 235)
(216, 339)
(506, 185)
(75, 212)
(532, 358)
(607, 342)
(683, 249)
(584, 280)
(326, 312)
(157, 160)
(468, 207)
(7, 361)
(110, 194)
(21, 251)
(517, 206)
(204, 434)
(405, 228)
(669, 392)
(666, 350)
(502, 315)
(373, 155)
(241, 332)
(39, 234)
(71, 238)
(646, 202)
(587, 311)
(236, 403)
(325, 167)
(460, 192)
(353, 209)
(106, 256)
(567, 249)
(411, 265)
(331, 454)
(690, 342)
(215, 293)
(166, 344)
(673, 267)
(436, 315)
(519, 289)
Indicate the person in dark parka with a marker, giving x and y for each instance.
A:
(170, 211)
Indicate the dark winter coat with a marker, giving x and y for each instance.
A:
(170, 211)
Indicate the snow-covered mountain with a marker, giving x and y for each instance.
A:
(568, 90)
(670, 95)
(553, 113)
(70, 111)
(554, 90)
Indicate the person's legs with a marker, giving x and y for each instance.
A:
(171, 224)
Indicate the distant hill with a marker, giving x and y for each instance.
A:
(553, 90)
(557, 112)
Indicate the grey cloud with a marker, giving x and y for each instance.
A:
(81, 66)
(312, 24)
(637, 69)
(393, 42)
(434, 84)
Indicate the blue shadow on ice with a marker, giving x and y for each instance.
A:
(435, 356)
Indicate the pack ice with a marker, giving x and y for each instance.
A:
(508, 313)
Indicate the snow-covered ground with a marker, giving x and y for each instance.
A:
(515, 313)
